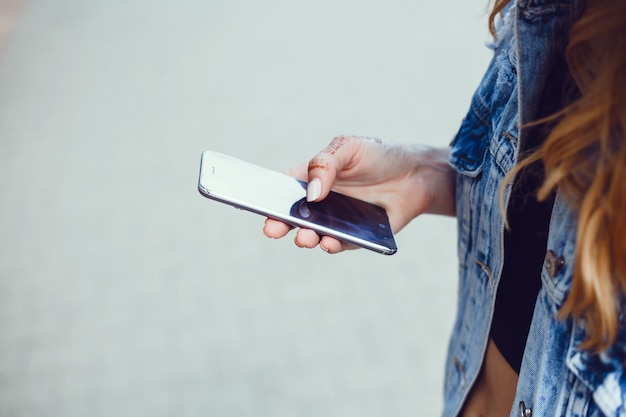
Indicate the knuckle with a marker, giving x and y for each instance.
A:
(320, 162)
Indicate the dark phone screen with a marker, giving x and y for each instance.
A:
(347, 215)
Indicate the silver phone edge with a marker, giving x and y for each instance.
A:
(294, 221)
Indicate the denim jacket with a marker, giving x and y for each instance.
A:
(556, 377)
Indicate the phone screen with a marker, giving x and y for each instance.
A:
(276, 195)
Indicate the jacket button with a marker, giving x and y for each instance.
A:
(553, 263)
(523, 411)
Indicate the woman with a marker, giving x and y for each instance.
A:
(536, 177)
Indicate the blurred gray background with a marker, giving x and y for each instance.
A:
(123, 292)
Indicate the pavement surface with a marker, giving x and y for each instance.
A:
(125, 293)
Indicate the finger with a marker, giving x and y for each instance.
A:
(323, 168)
(332, 245)
(275, 229)
(306, 238)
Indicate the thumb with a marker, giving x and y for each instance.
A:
(323, 168)
(314, 190)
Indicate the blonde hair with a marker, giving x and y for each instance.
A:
(584, 157)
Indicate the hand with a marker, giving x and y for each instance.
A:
(406, 180)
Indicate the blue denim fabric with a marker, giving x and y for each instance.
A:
(556, 378)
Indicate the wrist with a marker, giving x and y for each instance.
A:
(439, 180)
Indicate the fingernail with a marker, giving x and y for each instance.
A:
(313, 190)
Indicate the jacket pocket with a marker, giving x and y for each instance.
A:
(470, 145)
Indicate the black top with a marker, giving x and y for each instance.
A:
(525, 248)
(526, 239)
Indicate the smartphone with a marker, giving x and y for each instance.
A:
(278, 196)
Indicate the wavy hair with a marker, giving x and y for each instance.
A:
(584, 157)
